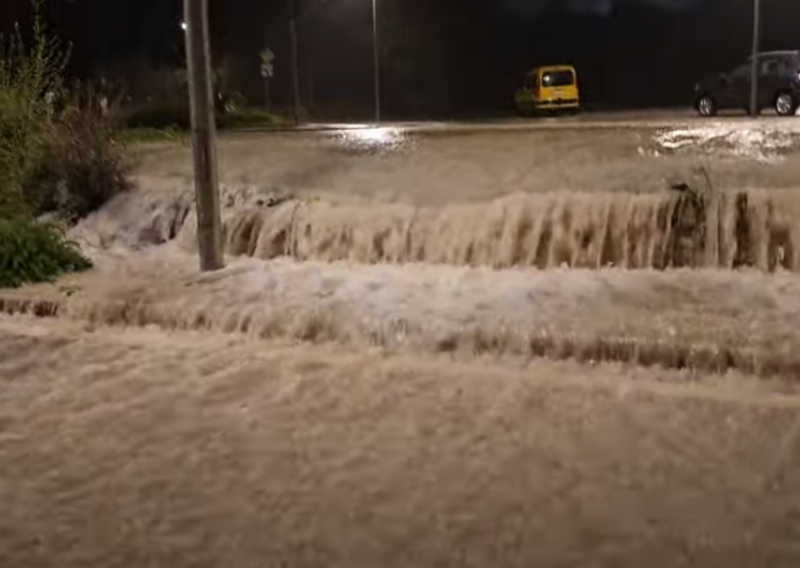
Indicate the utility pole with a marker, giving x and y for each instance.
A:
(756, 48)
(209, 224)
(377, 60)
(295, 63)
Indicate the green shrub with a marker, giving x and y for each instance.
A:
(159, 115)
(29, 80)
(176, 115)
(82, 167)
(128, 136)
(36, 252)
(51, 160)
(244, 118)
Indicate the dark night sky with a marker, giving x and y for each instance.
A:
(439, 56)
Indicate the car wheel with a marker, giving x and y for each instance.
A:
(785, 104)
(707, 106)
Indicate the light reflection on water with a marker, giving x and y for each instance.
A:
(372, 139)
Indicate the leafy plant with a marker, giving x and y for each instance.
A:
(36, 252)
(56, 155)
(83, 167)
(30, 84)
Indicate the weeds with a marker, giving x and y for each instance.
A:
(35, 252)
(30, 83)
(55, 157)
(175, 116)
(83, 167)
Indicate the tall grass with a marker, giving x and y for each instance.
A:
(30, 83)
(56, 156)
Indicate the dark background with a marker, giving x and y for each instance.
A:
(439, 57)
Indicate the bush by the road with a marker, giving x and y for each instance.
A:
(57, 160)
(29, 81)
(82, 167)
(31, 251)
(158, 115)
(170, 115)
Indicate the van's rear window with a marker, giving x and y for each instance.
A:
(558, 78)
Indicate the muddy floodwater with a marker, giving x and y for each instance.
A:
(447, 165)
(122, 449)
(559, 344)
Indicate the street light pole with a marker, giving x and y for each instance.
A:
(209, 224)
(377, 60)
(295, 63)
(756, 47)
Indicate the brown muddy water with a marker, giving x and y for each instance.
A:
(590, 230)
(457, 165)
(496, 276)
(131, 448)
(669, 229)
(388, 401)
(707, 321)
(582, 196)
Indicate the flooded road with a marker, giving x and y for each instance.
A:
(370, 401)
(131, 448)
(437, 164)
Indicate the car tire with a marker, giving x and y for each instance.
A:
(706, 106)
(786, 104)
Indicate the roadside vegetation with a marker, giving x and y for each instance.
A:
(175, 116)
(59, 161)
(166, 123)
(167, 117)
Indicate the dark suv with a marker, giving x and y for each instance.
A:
(778, 86)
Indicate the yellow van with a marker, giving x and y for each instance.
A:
(550, 88)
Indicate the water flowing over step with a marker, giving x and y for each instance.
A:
(675, 229)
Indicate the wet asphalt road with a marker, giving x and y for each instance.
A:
(439, 163)
(650, 118)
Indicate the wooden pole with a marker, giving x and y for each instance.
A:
(209, 223)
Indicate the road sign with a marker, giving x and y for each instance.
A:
(267, 70)
(267, 56)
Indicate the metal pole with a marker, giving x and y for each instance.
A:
(756, 47)
(295, 64)
(377, 60)
(209, 224)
